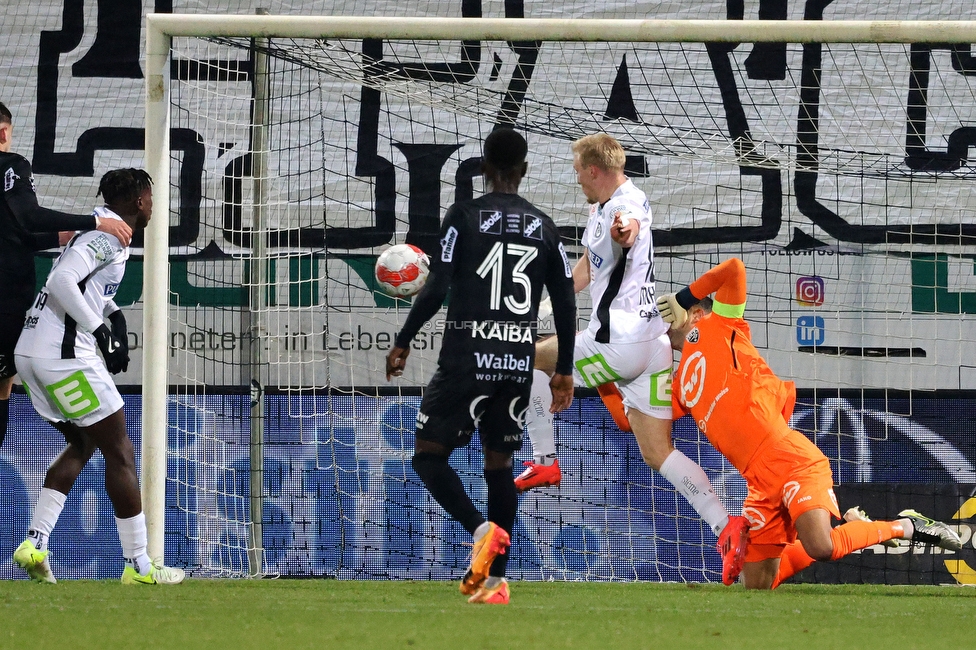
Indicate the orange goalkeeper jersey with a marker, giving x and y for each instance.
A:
(722, 381)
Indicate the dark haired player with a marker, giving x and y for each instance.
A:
(20, 218)
(496, 254)
(70, 386)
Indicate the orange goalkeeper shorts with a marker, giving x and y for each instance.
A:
(787, 479)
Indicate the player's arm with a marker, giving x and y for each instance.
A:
(581, 272)
(429, 300)
(117, 319)
(71, 270)
(425, 305)
(581, 280)
(727, 281)
(120, 329)
(560, 282)
(33, 218)
(624, 228)
(41, 241)
(76, 264)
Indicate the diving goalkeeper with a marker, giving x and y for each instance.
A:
(744, 409)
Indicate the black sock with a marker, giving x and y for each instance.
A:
(445, 486)
(4, 418)
(502, 508)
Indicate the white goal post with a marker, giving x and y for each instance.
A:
(162, 28)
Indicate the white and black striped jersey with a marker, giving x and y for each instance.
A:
(622, 280)
(77, 296)
(497, 252)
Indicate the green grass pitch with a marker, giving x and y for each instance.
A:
(293, 614)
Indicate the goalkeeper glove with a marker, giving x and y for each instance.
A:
(671, 311)
(115, 353)
(545, 308)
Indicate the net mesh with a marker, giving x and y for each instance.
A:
(830, 169)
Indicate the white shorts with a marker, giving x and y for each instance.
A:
(642, 371)
(80, 391)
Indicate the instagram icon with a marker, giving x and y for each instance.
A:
(810, 291)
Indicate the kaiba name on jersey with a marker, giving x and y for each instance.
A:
(494, 330)
(489, 361)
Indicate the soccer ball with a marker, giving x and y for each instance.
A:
(401, 270)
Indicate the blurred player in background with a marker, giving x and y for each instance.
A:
(497, 252)
(624, 351)
(744, 410)
(21, 218)
(70, 386)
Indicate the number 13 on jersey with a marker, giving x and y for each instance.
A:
(493, 265)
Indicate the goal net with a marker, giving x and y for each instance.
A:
(838, 172)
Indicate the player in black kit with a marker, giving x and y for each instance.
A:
(26, 227)
(496, 253)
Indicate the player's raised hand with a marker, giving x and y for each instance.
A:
(624, 230)
(116, 227)
(396, 361)
(671, 311)
(562, 392)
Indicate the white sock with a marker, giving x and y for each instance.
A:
(134, 540)
(908, 526)
(481, 531)
(49, 505)
(538, 420)
(691, 481)
(493, 581)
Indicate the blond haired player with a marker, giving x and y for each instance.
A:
(625, 345)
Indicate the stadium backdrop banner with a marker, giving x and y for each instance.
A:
(344, 501)
(56, 51)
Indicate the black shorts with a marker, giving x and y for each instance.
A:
(454, 406)
(11, 325)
